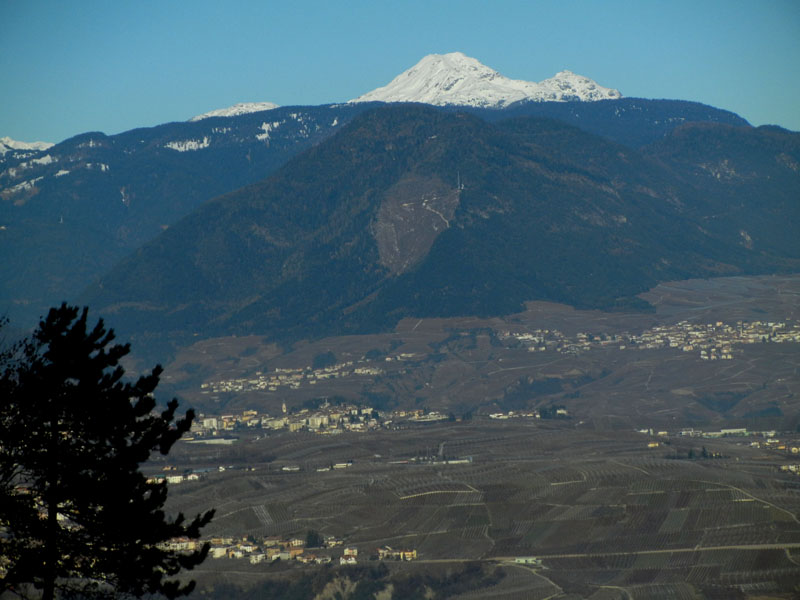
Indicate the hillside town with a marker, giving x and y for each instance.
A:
(290, 378)
(710, 341)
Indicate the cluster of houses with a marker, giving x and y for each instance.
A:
(526, 414)
(389, 553)
(291, 378)
(273, 548)
(713, 341)
(328, 419)
(266, 549)
(767, 438)
(171, 476)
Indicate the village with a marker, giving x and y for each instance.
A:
(766, 439)
(326, 419)
(709, 341)
(313, 549)
(291, 378)
(330, 419)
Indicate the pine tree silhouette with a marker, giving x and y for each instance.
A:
(77, 515)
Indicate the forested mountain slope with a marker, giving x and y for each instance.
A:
(412, 211)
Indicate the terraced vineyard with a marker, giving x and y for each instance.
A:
(607, 516)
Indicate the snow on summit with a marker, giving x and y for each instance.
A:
(237, 109)
(447, 79)
(7, 144)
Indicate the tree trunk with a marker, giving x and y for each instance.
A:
(50, 549)
(51, 501)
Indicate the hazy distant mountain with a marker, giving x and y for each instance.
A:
(9, 145)
(411, 211)
(457, 79)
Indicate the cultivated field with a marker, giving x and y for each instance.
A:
(607, 516)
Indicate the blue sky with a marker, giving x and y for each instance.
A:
(71, 67)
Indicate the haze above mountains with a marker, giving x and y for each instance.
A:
(350, 217)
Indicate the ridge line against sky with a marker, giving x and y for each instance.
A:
(68, 68)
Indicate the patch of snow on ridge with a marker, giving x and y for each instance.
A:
(24, 186)
(188, 145)
(45, 160)
(241, 108)
(7, 144)
(266, 128)
(457, 79)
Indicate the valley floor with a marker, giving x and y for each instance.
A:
(564, 512)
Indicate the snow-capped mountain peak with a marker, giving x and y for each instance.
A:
(457, 79)
(572, 86)
(7, 145)
(241, 108)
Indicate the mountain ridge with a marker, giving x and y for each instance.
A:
(503, 213)
(10, 145)
(241, 108)
(69, 212)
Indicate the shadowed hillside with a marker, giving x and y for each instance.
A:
(410, 211)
